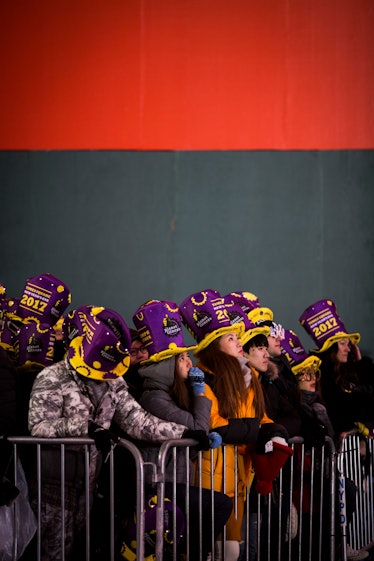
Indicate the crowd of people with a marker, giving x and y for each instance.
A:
(247, 383)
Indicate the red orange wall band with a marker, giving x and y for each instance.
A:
(187, 74)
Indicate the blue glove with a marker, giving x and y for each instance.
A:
(215, 439)
(196, 378)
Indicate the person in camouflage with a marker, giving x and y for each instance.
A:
(80, 397)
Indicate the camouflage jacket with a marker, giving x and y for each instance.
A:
(60, 406)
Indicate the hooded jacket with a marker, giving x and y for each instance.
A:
(158, 379)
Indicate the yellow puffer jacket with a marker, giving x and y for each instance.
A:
(225, 455)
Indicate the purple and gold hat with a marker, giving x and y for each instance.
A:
(206, 317)
(44, 299)
(246, 300)
(322, 322)
(260, 315)
(101, 350)
(34, 344)
(237, 315)
(159, 325)
(296, 355)
(73, 322)
(9, 330)
(264, 316)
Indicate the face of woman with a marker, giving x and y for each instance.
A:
(343, 350)
(230, 344)
(307, 379)
(182, 365)
(258, 358)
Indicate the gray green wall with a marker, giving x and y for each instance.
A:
(123, 227)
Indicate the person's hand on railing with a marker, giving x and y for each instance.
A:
(104, 438)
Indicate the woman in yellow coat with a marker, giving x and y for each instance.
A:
(238, 409)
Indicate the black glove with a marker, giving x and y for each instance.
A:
(240, 431)
(199, 435)
(267, 432)
(104, 438)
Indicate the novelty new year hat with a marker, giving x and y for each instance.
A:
(264, 316)
(44, 299)
(237, 315)
(73, 323)
(323, 324)
(206, 317)
(159, 325)
(101, 351)
(34, 344)
(246, 300)
(295, 353)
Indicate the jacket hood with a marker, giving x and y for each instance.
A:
(158, 375)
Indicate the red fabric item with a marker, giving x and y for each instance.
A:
(267, 466)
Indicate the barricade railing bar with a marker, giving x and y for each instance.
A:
(305, 518)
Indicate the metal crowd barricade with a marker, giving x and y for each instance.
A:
(298, 521)
(31, 451)
(266, 528)
(356, 462)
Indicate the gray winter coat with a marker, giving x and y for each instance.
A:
(156, 398)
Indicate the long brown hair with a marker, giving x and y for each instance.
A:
(180, 391)
(228, 382)
(345, 374)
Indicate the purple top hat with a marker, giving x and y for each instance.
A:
(101, 350)
(322, 322)
(34, 345)
(72, 325)
(264, 316)
(206, 317)
(246, 300)
(260, 315)
(295, 353)
(44, 299)
(9, 330)
(237, 315)
(159, 325)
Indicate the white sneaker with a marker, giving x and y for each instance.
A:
(356, 554)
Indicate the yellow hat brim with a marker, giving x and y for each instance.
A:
(237, 328)
(168, 353)
(353, 337)
(307, 363)
(248, 335)
(84, 369)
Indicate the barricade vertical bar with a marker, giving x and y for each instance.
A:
(321, 502)
(62, 483)
(333, 468)
(87, 496)
(301, 499)
(311, 507)
(212, 504)
(111, 503)
(39, 500)
(212, 492)
(15, 505)
(370, 492)
(280, 504)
